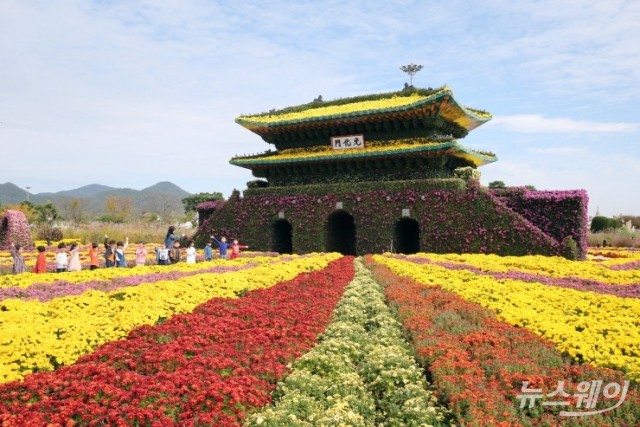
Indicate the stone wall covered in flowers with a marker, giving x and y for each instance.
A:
(14, 228)
(560, 214)
(452, 216)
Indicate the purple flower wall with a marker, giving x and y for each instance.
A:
(14, 228)
(452, 217)
(557, 213)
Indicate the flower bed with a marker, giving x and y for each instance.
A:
(38, 336)
(478, 363)
(571, 282)
(554, 267)
(360, 374)
(589, 327)
(204, 368)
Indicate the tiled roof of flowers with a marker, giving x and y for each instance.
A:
(413, 102)
(373, 149)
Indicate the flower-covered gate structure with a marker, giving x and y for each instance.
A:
(14, 229)
(385, 173)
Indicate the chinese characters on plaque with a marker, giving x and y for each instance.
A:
(347, 141)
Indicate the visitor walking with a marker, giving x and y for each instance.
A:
(62, 259)
(74, 261)
(41, 261)
(18, 259)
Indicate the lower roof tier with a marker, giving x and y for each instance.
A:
(326, 154)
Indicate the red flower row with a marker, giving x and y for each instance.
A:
(478, 364)
(205, 368)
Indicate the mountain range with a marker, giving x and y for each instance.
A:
(162, 198)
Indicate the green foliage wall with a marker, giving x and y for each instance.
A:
(453, 216)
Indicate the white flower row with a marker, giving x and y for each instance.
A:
(361, 373)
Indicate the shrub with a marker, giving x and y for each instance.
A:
(570, 248)
(257, 183)
(49, 233)
(466, 173)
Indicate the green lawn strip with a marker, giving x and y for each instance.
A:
(361, 373)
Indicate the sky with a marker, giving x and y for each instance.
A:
(129, 93)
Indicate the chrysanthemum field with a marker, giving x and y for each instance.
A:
(326, 340)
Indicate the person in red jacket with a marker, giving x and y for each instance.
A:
(41, 261)
(235, 249)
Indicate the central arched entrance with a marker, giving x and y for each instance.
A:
(282, 237)
(341, 233)
(407, 236)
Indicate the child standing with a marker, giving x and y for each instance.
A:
(208, 252)
(62, 260)
(141, 254)
(74, 262)
(174, 253)
(191, 253)
(222, 245)
(41, 261)
(235, 249)
(162, 254)
(18, 259)
(120, 249)
(110, 252)
(93, 256)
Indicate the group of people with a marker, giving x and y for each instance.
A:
(114, 255)
(226, 250)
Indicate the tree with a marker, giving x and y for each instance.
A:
(47, 213)
(191, 202)
(117, 208)
(76, 210)
(165, 206)
(411, 69)
(602, 223)
(497, 184)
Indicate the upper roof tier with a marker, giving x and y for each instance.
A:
(422, 105)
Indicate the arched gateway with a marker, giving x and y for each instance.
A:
(407, 236)
(282, 237)
(341, 233)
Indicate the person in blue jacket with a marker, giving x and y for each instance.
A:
(208, 252)
(171, 237)
(223, 245)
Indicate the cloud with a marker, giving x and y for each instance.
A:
(536, 123)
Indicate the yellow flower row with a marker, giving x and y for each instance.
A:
(330, 110)
(537, 264)
(37, 336)
(600, 329)
(327, 151)
(27, 279)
